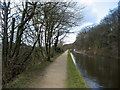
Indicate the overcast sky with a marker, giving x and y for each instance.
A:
(94, 11)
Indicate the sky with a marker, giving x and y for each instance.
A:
(94, 11)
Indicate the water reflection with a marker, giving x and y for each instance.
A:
(98, 71)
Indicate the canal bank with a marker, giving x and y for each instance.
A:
(74, 78)
(97, 71)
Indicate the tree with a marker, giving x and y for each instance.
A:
(33, 27)
(10, 53)
(103, 36)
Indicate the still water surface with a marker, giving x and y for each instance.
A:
(97, 71)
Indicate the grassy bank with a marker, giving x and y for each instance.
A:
(74, 79)
(24, 79)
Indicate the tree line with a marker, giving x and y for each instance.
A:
(102, 38)
(33, 30)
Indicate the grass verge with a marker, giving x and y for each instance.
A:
(25, 79)
(74, 79)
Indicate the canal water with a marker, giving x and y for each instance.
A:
(98, 71)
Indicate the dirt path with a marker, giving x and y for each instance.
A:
(54, 76)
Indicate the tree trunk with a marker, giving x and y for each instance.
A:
(11, 37)
(5, 43)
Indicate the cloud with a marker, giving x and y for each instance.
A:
(72, 37)
(91, 14)
(78, 28)
(92, 1)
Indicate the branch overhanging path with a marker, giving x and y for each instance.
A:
(54, 76)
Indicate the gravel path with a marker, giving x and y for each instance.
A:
(54, 76)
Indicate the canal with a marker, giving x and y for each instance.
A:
(98, 71)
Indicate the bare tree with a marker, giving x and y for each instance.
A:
(10, 53)
(33, 25)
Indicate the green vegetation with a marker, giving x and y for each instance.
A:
(74, 79)
(24, 79)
